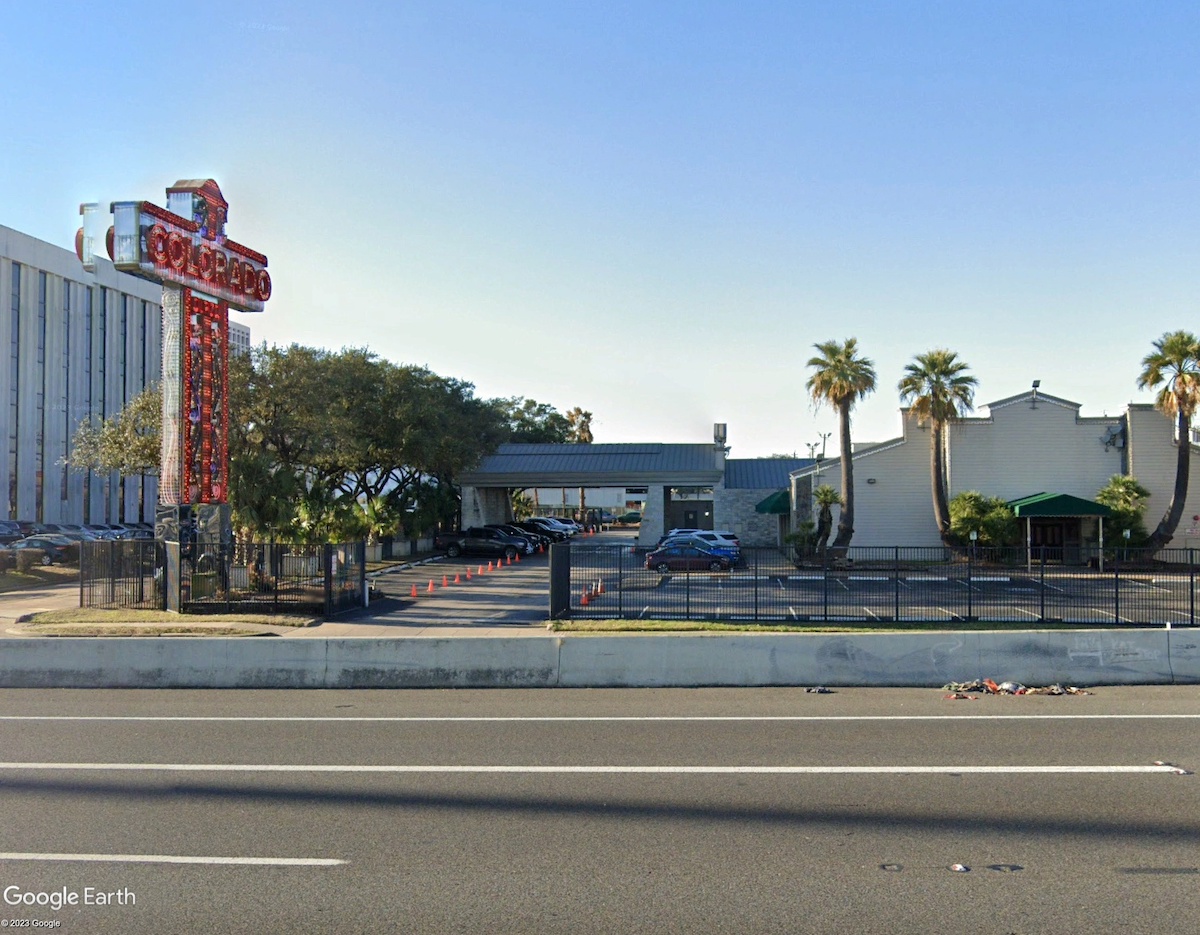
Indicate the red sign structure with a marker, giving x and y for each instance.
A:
(203, 274)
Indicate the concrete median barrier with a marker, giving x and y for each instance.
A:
(1080, 657)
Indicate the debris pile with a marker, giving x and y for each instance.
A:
(959, 690)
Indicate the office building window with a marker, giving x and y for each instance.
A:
(14, 412)
(63, 492)
(39, 451)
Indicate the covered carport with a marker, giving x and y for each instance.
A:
(671, 473)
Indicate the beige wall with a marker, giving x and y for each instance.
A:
(1152, 458)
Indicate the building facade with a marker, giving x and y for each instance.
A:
(1025, 444)
(80, 345)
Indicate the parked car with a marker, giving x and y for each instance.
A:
(539, 539)
(632, 518)
(9, 531)
(54, 549)
(685, 558)
(554, 533)
(731, 552)
(554, 522)
(480, 541)
(714, 537)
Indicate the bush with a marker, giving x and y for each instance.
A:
(28, 558)
(7, 562)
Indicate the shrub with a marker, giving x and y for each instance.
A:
(7, 562)
(28, 558)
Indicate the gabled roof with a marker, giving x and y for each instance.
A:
(527, 465)
(761, 473)
(1057, 504)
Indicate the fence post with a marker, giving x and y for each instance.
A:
(560, 580)
(687, 593)
(754, 572)
(1042, 585)
(327, 563)
(620, 582)
(362, 573)
(1191, 587)
(896, 579)
(825, 585)
(970, 568)
(1117, 587)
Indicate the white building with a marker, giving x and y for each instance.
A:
(80, 344)
(239, 338)
(1025, 444)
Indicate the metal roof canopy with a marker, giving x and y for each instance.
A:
(778, 502)
(1057, 504)
(592, 465)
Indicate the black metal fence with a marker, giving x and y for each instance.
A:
(892, 584)
(246, 577)
(125, 574)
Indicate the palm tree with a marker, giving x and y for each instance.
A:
(1175, 366)
(939, 391)
(841, 378)
(826, 498)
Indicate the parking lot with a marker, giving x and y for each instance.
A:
(767, 586)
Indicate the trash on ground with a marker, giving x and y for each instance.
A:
(1009, 688)
(960, 696)
(819, 690)
(960, 868)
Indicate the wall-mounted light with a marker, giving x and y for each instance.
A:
(870, 480)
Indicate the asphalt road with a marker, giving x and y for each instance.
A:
(706, 811)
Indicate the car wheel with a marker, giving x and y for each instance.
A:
(715, 566)
(662, 567)
(47, 558)
(509, 552)
(453, 551)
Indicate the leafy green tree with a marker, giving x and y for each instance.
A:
(529, 421)
(990, 517)
(1174, 365)
(939, 391)
(1127, 500)
(127, 442)
(580, 422)
(841, 378)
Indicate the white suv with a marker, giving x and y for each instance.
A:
(721, 537)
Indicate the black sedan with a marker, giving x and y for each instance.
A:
(53, 549)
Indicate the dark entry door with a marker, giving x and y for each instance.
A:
(1046, 537)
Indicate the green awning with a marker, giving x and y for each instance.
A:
(1057, 504)
(778, 502)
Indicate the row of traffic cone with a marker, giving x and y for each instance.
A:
(458, 578)
(592, 592)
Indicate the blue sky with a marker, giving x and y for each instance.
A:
(654, 210)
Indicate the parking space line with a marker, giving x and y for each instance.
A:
(1164, 768)
(175, 859)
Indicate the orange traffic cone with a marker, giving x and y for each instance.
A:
(414, 591)
(445, 581)
(457, 579)
(584, 600)
(518, 556)
(479, 571)
(430, 588)
(509, 557)
(468, 574)
(540, 549)
(490, 567)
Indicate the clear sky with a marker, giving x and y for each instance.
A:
(653, 209)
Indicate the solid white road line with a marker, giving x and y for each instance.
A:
(401, 719)
(176, 859)
(501, 768)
